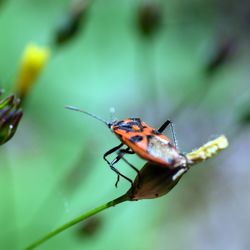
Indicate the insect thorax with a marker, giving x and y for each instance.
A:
(128, 125)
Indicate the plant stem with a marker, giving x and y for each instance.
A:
(10, 202)
(78, 219)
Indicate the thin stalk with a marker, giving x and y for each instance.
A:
(10, 200)
(78, 219)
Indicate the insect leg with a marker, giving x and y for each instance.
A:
(164, 126)
(111, 164)
(128, 151)
(137, 171)
(186, 165)
(120, 174)
(121, 153)
(112, 150)
(117, 180)
(179, 173)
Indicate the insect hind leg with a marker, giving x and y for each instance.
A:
(164, 126)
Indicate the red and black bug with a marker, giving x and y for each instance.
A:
(145, 141)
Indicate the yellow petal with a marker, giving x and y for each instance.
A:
(32, 62)
(208, 150)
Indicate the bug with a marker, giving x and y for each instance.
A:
(141, 139)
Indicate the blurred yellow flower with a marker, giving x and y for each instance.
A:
(32, 62)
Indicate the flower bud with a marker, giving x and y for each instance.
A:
(10, 115)
(33, 61)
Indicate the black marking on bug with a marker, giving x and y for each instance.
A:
(118, 123)
(149, 137)
(127, 126)
(136, 138)
(123, 126)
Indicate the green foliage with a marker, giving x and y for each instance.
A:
(52, 169)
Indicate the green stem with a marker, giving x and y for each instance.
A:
(77, 220)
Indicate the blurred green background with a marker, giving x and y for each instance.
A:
(192, 67)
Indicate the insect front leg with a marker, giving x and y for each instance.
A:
(111, 164)
(133, 167)
(111, 151)
(122, 152)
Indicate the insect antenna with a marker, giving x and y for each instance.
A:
(87, 113)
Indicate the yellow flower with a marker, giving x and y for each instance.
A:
(33, 61)
(208, 150)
